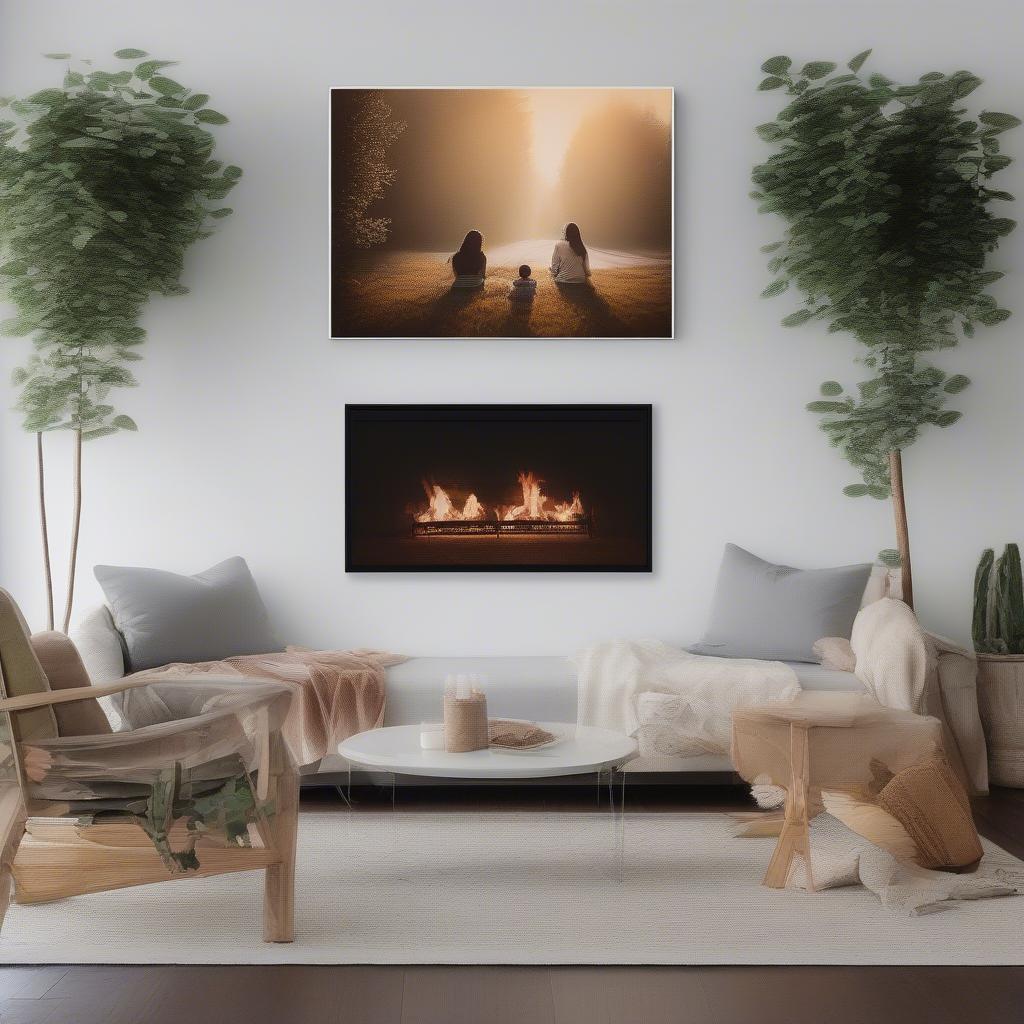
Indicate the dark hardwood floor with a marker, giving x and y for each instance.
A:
(534, 995)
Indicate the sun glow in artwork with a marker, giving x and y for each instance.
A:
(540, 212)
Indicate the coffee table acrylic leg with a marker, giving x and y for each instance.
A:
(616, 817)
(345, 792)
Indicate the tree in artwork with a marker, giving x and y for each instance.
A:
(891, 219)
(363, 129)
(105, 182)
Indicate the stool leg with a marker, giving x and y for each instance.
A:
(794, 837)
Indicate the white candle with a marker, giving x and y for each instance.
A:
(431, 736)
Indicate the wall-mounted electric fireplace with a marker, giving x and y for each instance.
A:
(498, 487)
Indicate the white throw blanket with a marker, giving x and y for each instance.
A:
(698, 693)
(841, 857)
(899, 664)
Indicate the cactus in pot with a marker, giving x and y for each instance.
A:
(998, 621)
(998, 631)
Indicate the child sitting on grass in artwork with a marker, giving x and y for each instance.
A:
(523, 287)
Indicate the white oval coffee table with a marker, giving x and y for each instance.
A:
(577, 750)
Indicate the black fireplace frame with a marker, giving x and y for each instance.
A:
(642, 413)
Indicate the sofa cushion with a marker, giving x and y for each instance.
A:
(165, 617)
(100, 646)
(65, 671)
(776, 612)
(835, 652)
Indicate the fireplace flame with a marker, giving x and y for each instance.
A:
(536, 506)
(442, 508)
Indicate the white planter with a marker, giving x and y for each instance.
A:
(1001, 702)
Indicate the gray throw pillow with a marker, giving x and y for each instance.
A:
(776, 612)
(165, 617)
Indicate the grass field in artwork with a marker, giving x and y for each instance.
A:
(409, 294)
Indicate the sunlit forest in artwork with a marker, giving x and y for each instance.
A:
(416, 171)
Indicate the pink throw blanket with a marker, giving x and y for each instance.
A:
(338, 693)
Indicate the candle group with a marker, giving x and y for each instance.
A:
(465, 714)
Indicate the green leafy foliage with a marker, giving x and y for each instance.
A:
(102, 191)
(998, 619)
(224, 808)
(890, 557)
(890, 219)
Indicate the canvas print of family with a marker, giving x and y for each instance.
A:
(501, 213)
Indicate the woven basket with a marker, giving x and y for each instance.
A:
(1001, 703)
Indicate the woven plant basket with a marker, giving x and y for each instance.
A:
(1001, 702)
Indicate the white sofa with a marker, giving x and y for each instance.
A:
(537, 688)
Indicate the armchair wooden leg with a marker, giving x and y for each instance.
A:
(279, 881)
(12, 829)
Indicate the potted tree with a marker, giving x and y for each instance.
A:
(105, 182)
(886, 191)
(998, 632)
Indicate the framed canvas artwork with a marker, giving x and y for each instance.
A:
(526, 212)
(498, 488)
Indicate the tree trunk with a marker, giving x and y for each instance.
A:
(76, 523)
(48, 573)
(899, 509)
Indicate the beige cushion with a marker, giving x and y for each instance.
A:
(920, 815)
(930, 802)
(64, 670)
(22, 674)
(835, 652)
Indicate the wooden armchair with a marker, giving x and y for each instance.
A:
(208, 788)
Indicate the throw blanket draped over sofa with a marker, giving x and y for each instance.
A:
(337, 693)
(898, 663)
(697, 693)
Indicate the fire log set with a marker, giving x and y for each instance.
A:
(538, 515)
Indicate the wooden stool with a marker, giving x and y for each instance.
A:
(820, 740)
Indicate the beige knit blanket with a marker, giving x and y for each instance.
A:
(905, 667)
(337, 693)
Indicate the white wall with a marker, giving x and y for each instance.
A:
(240, 404)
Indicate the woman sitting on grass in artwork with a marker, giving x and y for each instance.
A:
(570, 262)
(469, 264)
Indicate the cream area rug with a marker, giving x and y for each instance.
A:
(519, 888)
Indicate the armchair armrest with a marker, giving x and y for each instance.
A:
(37, 700)
(224, 720)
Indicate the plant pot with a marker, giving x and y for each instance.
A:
(1001, 703)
